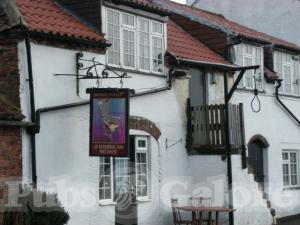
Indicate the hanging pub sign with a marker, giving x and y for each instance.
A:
(109, 112)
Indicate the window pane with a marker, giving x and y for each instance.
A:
(142, 143)
(285, 155)
(128, 19)
(144, 45)
(128, 48)
(157, 27)
(249, 73)
(296, 76)
(157, 54)
(113, 35)
(105, 186)
(293, 157)
(121, 175)
(238, 60)
(142, 174)
(287, 76)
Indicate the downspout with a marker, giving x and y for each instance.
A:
(228, 149)
(32, 107)
(281, 103)
(229, 57)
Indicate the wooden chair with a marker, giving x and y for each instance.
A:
(176, 214)
(202, 201)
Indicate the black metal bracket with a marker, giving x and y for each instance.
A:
(94, 70)
(239, 78)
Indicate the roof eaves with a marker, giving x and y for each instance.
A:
(59, 37)
(197, 19)
(255, 40)
(284, 47)
(148, 7)
(220, 66)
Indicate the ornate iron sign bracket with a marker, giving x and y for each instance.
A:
(94, 70)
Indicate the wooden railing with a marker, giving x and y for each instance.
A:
(208, 126)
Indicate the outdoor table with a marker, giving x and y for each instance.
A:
(202, 209)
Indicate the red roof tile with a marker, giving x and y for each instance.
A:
(47, 17)
(220, 20)
(184, 46)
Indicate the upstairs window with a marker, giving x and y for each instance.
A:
(290, 167)
(137, 42)
(287, 68)
(250, 55)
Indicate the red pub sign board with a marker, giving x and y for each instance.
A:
(109, 112)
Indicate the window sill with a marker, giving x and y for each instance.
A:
(250, 90)
(144, 200)
(291, 188)
(107, 203)
(136, 71)
(289, 95)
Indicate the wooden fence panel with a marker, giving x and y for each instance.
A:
(209, 125)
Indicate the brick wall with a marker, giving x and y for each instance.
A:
(9, 77)
(10, 157)
(10, 137)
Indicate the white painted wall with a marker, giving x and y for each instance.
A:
(281, 132)
(63, 163)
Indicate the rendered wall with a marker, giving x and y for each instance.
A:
(63, 163)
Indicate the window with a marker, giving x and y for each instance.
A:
(287, 68)
(137, 43)
(141, 167)
(290, 168)
(144, 44)
(106, 179)
(113, 35)
(250, 55)
(114, 177)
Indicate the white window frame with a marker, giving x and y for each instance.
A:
(242, 62)
(120, 30)
(144, 150)
(295, 74)
(288, 162)
(136, 42)
(107, 200)
(138, 149)
(131, 29)
(156, 35)
(138, 45)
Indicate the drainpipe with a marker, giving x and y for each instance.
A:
(278, 81)
(32, 107)
(228, 148)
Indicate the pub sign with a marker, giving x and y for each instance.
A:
(109, 112)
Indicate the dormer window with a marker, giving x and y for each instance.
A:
(137, 42)
(250, 55)
(287, 68)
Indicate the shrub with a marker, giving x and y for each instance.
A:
(36, 208)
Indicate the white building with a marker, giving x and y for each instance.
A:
(171, 57)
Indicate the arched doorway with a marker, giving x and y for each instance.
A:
(256, 156)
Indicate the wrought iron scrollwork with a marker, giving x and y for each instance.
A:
(94, 70)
